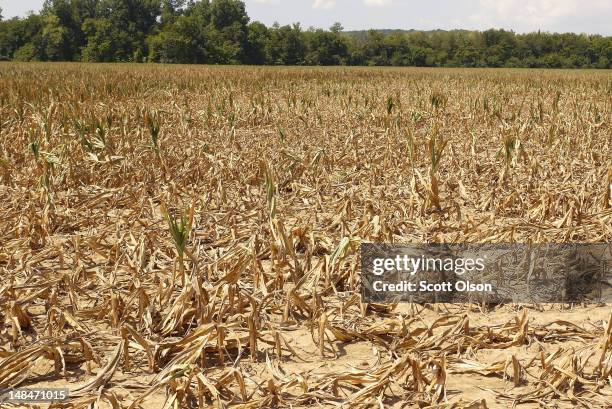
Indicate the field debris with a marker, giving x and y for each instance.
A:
(175, 237)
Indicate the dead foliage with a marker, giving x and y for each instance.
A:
(188, 236)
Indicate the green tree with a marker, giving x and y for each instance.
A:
(170, 46)
(326, 47)
(375, 50)
(187, 39)
(54, 41)
(105, 43)
(287, 45)
(27, 52)
(70, 15)
(257, 44)
(171, 10)
(219, 32)
(119, 31)
(229, 29)
(17, 33)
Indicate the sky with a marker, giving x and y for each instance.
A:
(579, 16)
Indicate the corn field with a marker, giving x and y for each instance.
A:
(188, 236)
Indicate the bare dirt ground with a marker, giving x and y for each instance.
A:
(181, 236)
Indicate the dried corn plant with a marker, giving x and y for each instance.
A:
(222, 270)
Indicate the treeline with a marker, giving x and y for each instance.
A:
(220, 32)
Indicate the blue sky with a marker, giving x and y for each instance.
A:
(582, 16)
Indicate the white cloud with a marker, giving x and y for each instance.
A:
(377, 3)
(535, 13)
(323, 4)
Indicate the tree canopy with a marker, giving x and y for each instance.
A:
(220, 32)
